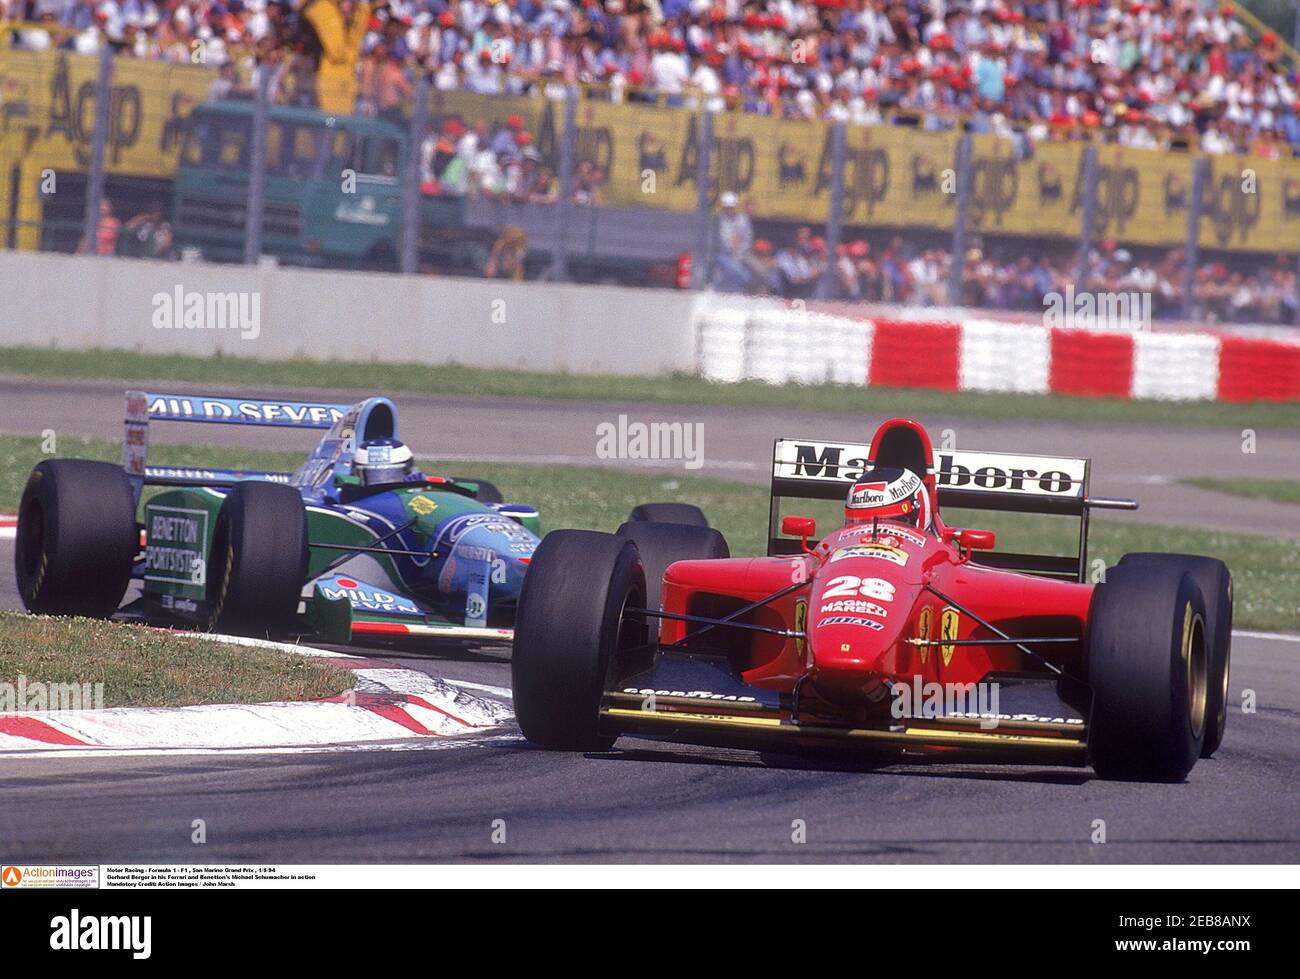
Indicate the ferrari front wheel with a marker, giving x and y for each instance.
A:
(571, 624)
(1148, 666)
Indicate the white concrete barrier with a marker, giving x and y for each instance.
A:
(81, 302)
(85, 302)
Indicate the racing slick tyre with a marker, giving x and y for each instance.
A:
(1148, 666)
(1215, 581)
(660, 544)
(569, 626)
(258, 561)
(487, 492)
(77, 538)
(683, 513)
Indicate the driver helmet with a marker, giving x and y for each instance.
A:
(896, 495)
(382, 461)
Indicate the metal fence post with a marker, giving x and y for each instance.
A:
(825, 288)
(1089, 217)
(254, 210)
(702, 262)
(1295, 313)
(568, 137)
(411, 179)
(1192, 246)
(964, 181)
(98, 144)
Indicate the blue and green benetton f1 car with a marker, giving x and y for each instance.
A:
(357, 542)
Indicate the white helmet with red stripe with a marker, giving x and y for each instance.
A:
(896, 495)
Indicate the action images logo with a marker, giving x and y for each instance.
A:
(27, 877)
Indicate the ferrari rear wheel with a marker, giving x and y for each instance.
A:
(661, 544)
(77, 538)
(570, 627)
(258, 562)
(1148, 666)
(1215, 581)
(680, 513)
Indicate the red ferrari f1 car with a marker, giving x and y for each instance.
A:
(894, 631)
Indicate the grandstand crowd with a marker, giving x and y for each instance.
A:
(1178, 74)
(899, 270)
(1147, 73)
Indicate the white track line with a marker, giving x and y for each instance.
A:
(1274, 636)
(505, 692)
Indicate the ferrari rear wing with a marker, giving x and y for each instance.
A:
(143, 408)
(1001, 481)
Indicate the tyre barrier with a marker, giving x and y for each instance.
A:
(795, 345)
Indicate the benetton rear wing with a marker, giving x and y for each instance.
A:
(808, 469)
(143, 408)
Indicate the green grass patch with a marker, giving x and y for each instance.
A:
(1266, 570)
(145, 667)
(204, 373)
(1278, 490)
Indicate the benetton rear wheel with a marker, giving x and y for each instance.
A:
(77, 538)
(258, 562)
(680, 513)
(486, 492)
(1215, 582)
(570, 626)
(1148, 666)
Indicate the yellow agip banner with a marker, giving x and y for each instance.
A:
(1143, 196)
(47, 111)
(900, 177)
(648, 156)
(1252, 204)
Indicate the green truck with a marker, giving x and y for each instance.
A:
(333, 199)
(333, 193)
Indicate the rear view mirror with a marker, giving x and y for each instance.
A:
(977, 540)
(801, 527)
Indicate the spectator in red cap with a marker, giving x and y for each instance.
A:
(505, 142)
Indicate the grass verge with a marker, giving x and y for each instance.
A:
(204, 373)
(143, 667)
(1266, 570)
(1278, 490)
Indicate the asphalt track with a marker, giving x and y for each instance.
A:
(645, 802)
